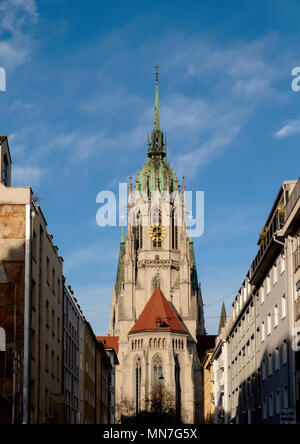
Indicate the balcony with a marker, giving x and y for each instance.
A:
(292, 211)
(267, 249)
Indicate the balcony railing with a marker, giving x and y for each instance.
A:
(266, 239)
(297, 259)
(293, 199)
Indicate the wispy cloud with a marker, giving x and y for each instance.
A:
(89, 254)
(289, 129)
(26, 175)
(16, 44)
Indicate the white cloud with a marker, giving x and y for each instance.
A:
(15, 43)
(291, 128)
(26, 176)
(90, 254)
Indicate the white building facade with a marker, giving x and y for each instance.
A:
(257, 346)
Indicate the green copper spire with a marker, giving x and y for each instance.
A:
(157, 144)
(156, 107)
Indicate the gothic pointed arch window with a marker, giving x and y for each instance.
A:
(177, 387)
(157, 369)
(138, 378)
(139, 231)
(174, 230)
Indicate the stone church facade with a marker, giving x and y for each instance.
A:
(157, 308)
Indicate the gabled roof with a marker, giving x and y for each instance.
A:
(158, 315)
(110, 342)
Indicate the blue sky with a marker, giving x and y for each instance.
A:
(79, 104)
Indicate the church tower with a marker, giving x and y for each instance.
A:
(157, 309)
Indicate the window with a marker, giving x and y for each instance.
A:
(275, 274)
(283, 307)
(264, 370)
(265, 408)
(47, 358)
(262, 295)
(157, 369)
(53, 279)
(258, 338)
(174, 231)
(58, 329)
(276, 358)
(32, 343)
(278, 402)
(34, 245)
(5, 170)
(48, 270)
(33, 294)
(285, 397)
(177, 388)
(268, 285)
(47, 314)
(270, 364)
(269, 326)
(138, 378)
(139, 232)
(271, 405)
(276, 315)
(282, 263)
(58, 290)
(284, 352)
(262, 332)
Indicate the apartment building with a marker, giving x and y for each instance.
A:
(208, 387)
(31, 306)
(255, 359)
(111, 345)
(72, 377)
(96, 367)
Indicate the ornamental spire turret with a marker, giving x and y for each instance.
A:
(157, 144)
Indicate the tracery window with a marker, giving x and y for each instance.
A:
(174, 231)
(138, 378)
(139, 231)
(157, 369)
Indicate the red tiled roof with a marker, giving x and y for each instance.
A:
(158, 315)
(110, 342)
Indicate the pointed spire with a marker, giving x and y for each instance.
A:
(156, 108)
(122, 235)
(223, 318)
(157, 145)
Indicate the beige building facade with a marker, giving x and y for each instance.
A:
(31, 306)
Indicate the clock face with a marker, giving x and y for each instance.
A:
(157, 233)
